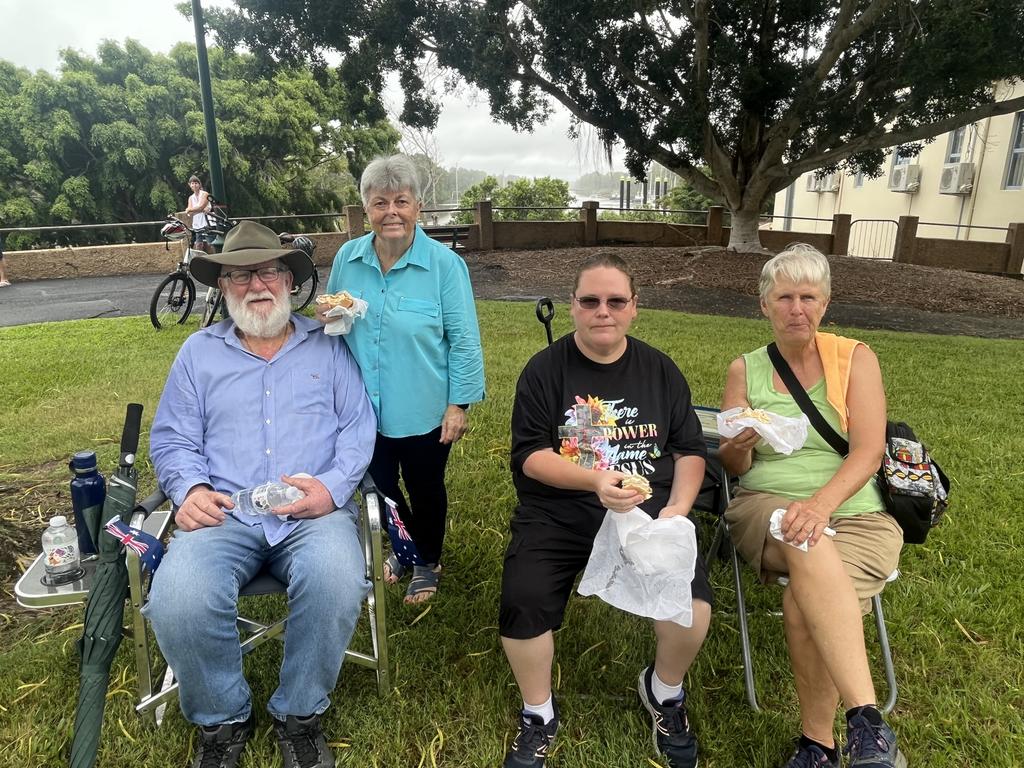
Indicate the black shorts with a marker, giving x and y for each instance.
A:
(542, 562)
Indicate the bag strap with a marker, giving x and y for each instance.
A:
(823, 428)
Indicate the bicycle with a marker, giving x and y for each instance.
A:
(176, 294)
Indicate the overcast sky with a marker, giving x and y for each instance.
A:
(34, 32)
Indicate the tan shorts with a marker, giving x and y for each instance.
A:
(868, 544)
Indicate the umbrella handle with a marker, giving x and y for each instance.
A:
(130, 434)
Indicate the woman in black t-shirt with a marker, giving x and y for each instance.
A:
(591, 408)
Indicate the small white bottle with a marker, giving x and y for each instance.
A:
(264, 498)
(60, 550)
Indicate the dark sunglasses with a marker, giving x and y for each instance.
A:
(614, 303)
(244, 276)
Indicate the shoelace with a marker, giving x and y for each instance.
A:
(866, 740)
(671, 721)
(809, 758)
(532, 740)
(303, 746)
(214, 754)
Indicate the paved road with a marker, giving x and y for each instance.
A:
(77, 298)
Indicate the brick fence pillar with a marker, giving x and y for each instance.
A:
(840, 234)
(714, 225)
(1015, 258)
(354, 221)
(906, 240)
(483, 217)
(588, 215)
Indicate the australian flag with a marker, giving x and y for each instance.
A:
(149, 548)
(401, 542)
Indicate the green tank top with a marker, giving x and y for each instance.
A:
(803, 472)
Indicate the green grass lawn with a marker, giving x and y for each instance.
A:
(954, 616)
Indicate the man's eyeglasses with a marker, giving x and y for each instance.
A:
(614, 303)
(244, 276)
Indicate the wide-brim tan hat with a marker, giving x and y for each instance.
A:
(249, 243)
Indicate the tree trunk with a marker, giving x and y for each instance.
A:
(743, 235)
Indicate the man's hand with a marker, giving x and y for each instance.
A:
(612, 495)
(316, 503)
(321, 312)
(202, 508)
(454, 424)
(745, 440)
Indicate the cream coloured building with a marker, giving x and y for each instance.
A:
(967, 184)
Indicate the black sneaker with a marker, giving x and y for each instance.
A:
(530, 746)
(670, 729)
(302, 743)
(872, 746)
(220, 746)
(810, 756)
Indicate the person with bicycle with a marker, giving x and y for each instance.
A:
(261, 396)
(199, 205)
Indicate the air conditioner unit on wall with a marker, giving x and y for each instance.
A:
(957, 179)
(905, 178)
(813, 183)
(830, 183)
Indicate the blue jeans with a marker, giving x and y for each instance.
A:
(193, 606)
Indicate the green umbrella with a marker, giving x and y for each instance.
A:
(104, 612)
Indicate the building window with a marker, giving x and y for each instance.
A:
(858, 179)
(902, 157)
(1015, 161)
(955, 148)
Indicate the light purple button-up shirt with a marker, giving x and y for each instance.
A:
(232, 420)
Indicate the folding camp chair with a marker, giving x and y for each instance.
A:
(714, 498)
(155, 517)
(253, 633)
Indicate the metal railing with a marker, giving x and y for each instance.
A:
(872, 238)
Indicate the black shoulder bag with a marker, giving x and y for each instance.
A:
(914, 488)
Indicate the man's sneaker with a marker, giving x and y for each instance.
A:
(810, 756)
(302, 743)
(530, 746)
(872, 746)
(220, 746)
(669, 727)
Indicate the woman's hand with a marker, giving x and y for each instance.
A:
(321, 312)
(805, 521)
(454, 424)
(674, 510)
(745, 440)
(613, 496)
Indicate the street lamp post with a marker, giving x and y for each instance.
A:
(206, 93)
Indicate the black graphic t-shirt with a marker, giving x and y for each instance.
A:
(631, 416)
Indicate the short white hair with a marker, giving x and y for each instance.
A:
(800, 263)
(389, 174)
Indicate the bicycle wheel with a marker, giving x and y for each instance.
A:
(214, 299)
(302, 294)
(172, 300)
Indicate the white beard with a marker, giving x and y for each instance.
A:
(254, 323)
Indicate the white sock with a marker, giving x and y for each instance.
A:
(546, 710)
(663, 692)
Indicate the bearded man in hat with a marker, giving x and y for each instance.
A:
(261, 396)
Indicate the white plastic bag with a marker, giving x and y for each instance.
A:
(644, 566)
(343, 317)
(783, 433)
(775, 529)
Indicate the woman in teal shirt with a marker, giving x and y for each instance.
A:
(419, 351)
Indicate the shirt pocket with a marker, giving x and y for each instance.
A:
(419, 306)
(311, 392)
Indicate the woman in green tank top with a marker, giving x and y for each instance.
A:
(830, 576)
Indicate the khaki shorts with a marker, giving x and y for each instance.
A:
(869, 545)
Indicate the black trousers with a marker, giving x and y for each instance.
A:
(420, 460)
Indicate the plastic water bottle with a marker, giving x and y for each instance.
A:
(88, 490)
(60, 551)
(263, 498)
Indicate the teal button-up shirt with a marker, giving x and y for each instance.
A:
(419, 345)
